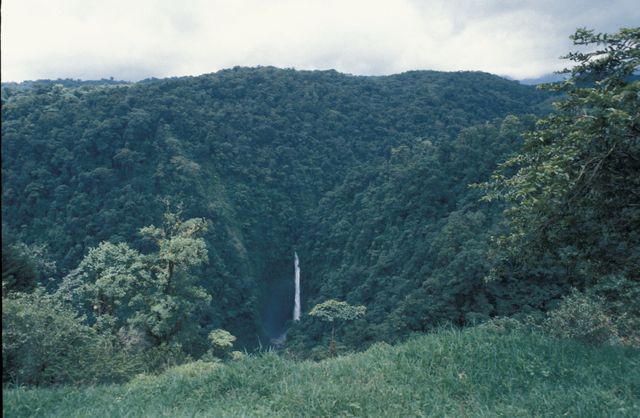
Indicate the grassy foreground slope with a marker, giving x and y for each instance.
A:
(452, 373)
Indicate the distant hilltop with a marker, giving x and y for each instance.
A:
(546, 78)
(66, 82)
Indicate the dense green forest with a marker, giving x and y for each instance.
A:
(149, 224)
(251, 150)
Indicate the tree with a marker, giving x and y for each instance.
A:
(155, 292)
(23, 266)
(221, 342)
(179, 250)
(43, 340)
(332, 310)
(85, 164)
(110, 285)
(18, 272)
(574, 190)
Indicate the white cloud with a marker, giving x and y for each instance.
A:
(134, 39)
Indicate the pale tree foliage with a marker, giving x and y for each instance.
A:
(332, 310)
(155, 293)
(221, 342)
(108, 282)
(179, 247)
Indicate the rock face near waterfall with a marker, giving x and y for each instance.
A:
(361, 175)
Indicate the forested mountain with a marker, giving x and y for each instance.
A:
(366, 177)
(154, 223)
(408, 238)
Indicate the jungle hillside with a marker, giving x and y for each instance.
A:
(464, 244)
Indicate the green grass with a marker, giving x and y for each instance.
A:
(471, 373)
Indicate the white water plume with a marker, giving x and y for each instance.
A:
(296, 306)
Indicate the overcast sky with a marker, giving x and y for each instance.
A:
(136, 39)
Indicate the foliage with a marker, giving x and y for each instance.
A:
(18, 271)
(43, 341)
(121, 289)
(367, 177)
(507, 325)
(221, 342)
(24, 266)
(236, 355)
(583, 318)
(408, 238)
(177, 295)
(221, 339)
(620, 296)
(109, 285)
(255, 150)
(332, 309)
(574, 191)
(470, 373)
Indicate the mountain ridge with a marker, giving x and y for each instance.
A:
(252, 149)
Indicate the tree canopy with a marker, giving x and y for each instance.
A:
(332, 310)
(155, 293)
(264, 154)
(574, 190)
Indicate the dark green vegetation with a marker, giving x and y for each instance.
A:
(254, 151)
(144, 222)
(573, 192)
(473, 373)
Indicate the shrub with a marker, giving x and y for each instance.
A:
(221, 344)
(583, 317)
(621, 295)
(502, 325)
(164, 356)
(43, 341)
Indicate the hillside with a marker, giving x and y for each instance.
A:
(271, 158)
(463, 249)
(474, 373)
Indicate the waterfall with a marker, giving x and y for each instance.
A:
(296, 306)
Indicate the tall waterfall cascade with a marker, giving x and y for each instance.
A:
(296, 305)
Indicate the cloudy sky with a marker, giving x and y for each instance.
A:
(136, 39)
